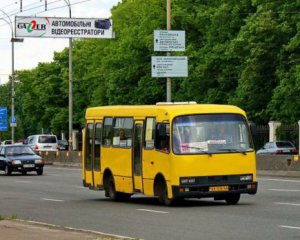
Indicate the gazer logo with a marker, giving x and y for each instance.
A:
(34, 25)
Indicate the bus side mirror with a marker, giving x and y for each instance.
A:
(252, 128)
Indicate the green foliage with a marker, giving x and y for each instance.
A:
(239, 52)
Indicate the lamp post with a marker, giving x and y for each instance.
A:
(13, 40)
(169, 82)
(70, 85)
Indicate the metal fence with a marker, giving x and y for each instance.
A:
(261, 136)
(284, 132)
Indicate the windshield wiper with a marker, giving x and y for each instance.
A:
(232, 150)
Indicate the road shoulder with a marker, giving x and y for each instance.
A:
(27, 230)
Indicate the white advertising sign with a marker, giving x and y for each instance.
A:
(48, 27)
(169, 66)
(169, 41)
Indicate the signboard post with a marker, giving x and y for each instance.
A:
(169, 66)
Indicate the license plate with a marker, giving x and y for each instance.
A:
(28, 165)
(219, 189)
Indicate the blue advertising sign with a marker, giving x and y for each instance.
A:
(3, 127)
(3, 113)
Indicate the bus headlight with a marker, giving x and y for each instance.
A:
(187, 180)
(246, 178)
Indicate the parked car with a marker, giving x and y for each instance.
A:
(63, 145)
(278, 147)
(20, 158)
(6, 142)
(44, 142)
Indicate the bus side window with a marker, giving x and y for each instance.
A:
(162, 137)
(107, 131)
(149, 133)
(122, 132)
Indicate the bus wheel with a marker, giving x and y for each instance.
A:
(232, 199)
(113, 194)
(162, 192)
(111, 190)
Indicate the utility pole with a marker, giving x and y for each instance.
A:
(169, 85)
(13, 40)
(70, 85)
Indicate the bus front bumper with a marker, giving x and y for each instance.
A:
(216, 191)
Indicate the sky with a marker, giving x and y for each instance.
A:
(32, 51)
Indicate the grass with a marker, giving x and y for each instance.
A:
(12, 217)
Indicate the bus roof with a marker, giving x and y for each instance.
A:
(164, 111)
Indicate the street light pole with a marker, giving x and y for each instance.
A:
(70, 85)
(169, 85)
(12, 72)
(12, 88)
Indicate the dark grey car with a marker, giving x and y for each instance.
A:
(20, 158)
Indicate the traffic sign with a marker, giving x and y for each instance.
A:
(169, 66)
(3, 127)
(3, 113)
(169, 41)
(13, 122)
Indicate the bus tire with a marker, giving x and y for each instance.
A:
(111, 189)
(161, 190)
(232, 199)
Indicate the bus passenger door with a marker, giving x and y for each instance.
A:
(96, 156)
(137, 156)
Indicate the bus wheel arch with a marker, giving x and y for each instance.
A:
(161, 190)
(110, 188)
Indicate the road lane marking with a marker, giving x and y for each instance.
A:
(289, 227)
(290, 204)
(284, 190)
(278, 180)
(52, 200)
(23, 181)
(149, 210)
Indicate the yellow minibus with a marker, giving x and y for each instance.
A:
(169, 150)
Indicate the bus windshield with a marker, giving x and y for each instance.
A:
(211, 133)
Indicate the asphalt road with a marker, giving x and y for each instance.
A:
(58, 198)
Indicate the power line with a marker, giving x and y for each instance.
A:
(48, 10)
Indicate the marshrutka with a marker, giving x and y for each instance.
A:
(169, 150)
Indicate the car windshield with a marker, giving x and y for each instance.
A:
(47, 139)
(211, 133)
(284, 145)
(18, 150)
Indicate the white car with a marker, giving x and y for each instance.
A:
(278, 147)
(44, 142)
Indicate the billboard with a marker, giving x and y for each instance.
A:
(51, 27)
